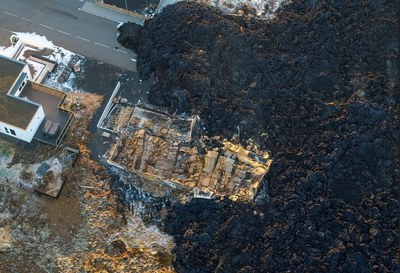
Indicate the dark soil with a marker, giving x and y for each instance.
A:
(317, 87)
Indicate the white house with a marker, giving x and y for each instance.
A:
(19, 117)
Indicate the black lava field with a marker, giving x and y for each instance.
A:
(317, 87)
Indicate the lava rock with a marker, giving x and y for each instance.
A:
(315, 87)
(116, 248)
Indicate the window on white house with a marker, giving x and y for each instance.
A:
(6, 130)
(13, 132)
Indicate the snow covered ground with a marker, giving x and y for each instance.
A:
(25, 175)
(46, 48)
(265, 9)
(36, 42)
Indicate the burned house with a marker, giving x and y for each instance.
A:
(158, 146)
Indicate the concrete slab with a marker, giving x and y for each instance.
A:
(45, 65)
(50, 104)
(53, 173)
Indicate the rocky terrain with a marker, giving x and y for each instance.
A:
(85, 229)
(317, 86)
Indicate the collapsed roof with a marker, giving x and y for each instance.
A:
(160, 146)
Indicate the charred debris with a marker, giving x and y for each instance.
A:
(166, 148)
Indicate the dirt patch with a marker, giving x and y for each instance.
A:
(84, 106)
(103, 225)
(71, 233)
(42, 152)
(64, 213)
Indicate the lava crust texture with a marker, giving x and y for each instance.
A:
(317, 87)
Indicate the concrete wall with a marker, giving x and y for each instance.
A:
(16, 132)
(21, 87)
(35, 123)
(27, 74)
(24, 134)
(8, 129)
(28, 78)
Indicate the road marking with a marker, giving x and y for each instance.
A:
(63, 32)
(25, 19)
(80, 38)
(101, 44)
(133, 60)
(45, 26)
(11, 14)
(119, 50)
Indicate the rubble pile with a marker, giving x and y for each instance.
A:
(101, 246)
(84, 106)
(98, 244)
(159, 147)
(116, 258)
(317, 86)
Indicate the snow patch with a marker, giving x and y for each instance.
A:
(5, 237)
(35, 39)
(13, 173)
(59, 55)
(120, 24)
(7, 51)
(265, 9)
(46, 48)
(137, 233)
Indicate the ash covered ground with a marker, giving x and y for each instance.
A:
(317, 87)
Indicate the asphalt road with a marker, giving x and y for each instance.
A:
(65, 25)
